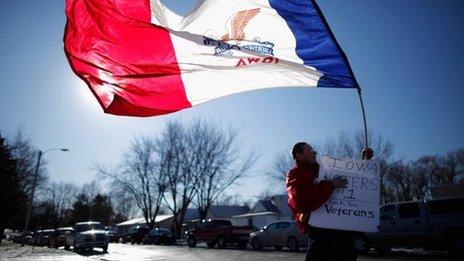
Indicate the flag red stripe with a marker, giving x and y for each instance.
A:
(129, 64)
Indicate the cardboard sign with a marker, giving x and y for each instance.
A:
(356, 207)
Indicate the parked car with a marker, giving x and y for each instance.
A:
(13, 237)
(435, 224)
(220, 232)
(58, 238)
(112, 234)
(86, 235)
(27, 238)
(160, 236)
(135, 234)
(41, 237)
(278, 235)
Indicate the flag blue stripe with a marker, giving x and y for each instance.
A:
(315, 43)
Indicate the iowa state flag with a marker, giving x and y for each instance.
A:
(141, 59)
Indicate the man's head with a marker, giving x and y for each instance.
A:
(303, 152)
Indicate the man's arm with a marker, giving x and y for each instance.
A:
(306, 197)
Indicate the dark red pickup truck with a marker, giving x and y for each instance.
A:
(220, 232)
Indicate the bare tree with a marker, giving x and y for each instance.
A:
(141, 177)
(26, 154)
(216, 161)
(202, 161)
(421, 182)
(349, 145)
(280, 166)
(61, 197)
(399, 178)
(180, 178)
(124, 204)
(457, 157)
(446, 169)
(437, 170)
(91, 189)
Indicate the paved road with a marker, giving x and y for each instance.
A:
(141, 252)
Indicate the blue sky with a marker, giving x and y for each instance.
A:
(407, 55)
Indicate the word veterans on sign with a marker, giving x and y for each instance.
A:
(356, 207)
(348, 212)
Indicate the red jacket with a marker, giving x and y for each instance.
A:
(304, 195)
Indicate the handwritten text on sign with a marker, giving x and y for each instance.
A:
(356, 207)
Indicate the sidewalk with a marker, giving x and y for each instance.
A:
(9, 250)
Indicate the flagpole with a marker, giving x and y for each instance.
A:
(366, 145)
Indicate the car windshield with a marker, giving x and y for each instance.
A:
(271, 227)
(132, 230)
(86, 227)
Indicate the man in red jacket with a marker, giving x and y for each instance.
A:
(305, 195)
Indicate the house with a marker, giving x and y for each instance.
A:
(164, 221)
(226, 212)
(215, 211)
(268, 210)
(192, 217)
(448, 191)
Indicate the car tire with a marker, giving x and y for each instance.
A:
(191, 241)
(105, 249)
(242, 244)
(211, 244)
(75, 248)
(361, 244)
(292, 244)
(66, 247)
(256, 243)
(221, 241)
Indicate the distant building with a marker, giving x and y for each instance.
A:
(164, 221)
(216, 211)
(192, 217)
(265, 211)
(448, 191)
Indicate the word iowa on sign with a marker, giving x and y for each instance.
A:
(356, 207)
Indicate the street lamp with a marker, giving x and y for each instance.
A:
(34, 184)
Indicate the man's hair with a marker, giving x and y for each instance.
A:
(298, 148)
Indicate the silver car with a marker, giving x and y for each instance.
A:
(278, 235)
(87, 235)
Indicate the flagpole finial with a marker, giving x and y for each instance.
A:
(367, 154)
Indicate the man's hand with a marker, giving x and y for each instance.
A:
(339, 182)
